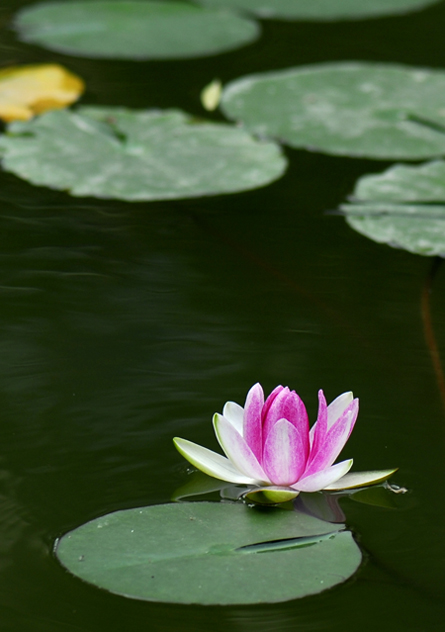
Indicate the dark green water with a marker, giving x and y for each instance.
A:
(123, 325)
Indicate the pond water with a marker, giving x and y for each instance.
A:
(123, 325)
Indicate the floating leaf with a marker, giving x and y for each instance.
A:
(379, 111)
(137, 155)
(210, 553)
(403, 207)
(29, 90)
(321, 10)
(129, 29)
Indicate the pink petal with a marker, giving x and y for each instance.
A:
(326, 450)
(237, 450)
(284, 456)
(269, 401)
(338, 406)
(252, 427)
(287, 405)
(320, 480)
(320, 427)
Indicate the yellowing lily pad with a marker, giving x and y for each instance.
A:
(211, 95)
(29, 90)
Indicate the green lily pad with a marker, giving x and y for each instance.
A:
(403, 207)
(365, 110)
(129, 29)
(210, 553)
(137, 155)
(321, 10)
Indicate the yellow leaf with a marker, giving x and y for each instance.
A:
(29, 90)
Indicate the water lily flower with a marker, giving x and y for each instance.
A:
(270, 447)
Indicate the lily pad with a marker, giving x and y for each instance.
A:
(322, 10)
(403, 207)
(29, 90)
(129, 29)
(210, 553)
(367, 110)
(137, 155)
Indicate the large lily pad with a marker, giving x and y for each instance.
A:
(137, 155)
(210, 553)
(403, 207)
(321, 10)
(129, 29)
(367, 110)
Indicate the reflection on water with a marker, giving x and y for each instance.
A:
(12, 522)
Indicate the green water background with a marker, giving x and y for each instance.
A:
(123, 325)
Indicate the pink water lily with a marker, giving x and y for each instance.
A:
(268, 445)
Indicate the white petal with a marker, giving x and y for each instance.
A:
(234, 413)
(237, 450)
(210, 462)
(337, 407)
(360, 479)
(319, 480)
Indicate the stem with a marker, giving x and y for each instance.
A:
(428, 327)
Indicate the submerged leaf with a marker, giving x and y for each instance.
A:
(403, 207)
(368, 110)
(210, 553)
(129, 29)
(138, 155)
(29, 90)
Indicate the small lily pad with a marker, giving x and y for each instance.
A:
(367, 110)
(129, 29)
(322, 10)
(29, 90)
(403, 207)
(210, 553)
(137, 155)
